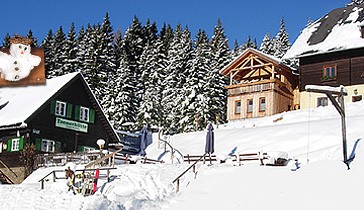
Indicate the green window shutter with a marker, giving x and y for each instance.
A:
(92, 115)
(10, 141)
(38, 144)
(77, 112)
(69, 110)
(53, 107)
(21, 143)
(58, 146)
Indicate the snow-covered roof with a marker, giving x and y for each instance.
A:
(338, 30)
(19, 103)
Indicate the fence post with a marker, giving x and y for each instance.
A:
(194, 168)
(177, 188)
(54, 176)
(42, 184)
(108, 175)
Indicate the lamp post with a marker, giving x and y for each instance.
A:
(101, 144)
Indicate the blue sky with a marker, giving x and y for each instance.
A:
(239, 18)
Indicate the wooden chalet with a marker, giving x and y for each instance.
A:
(61, 116)
(330, 52)
(260, 85)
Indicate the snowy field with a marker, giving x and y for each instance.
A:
(311, 136)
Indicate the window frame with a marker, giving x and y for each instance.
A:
(322, 99)
(237, 110)
(49, 147)
(248, 110)
(329, 72)
(84, 116)
(260, 104)
(58, 109)
(15, 144)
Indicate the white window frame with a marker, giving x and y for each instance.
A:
(15, 144)
(61, 108)
(84, 114)
(48, 145)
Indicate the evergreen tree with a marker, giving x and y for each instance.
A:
(80, 50)
(47, 45)
(267, 45)
(282, 43)
(6, 42)
(179, 56)
(247, 44)
(236, 50)
(220, 57)
(58, 53)
(70, 47)
(34, 40)
(195, 106)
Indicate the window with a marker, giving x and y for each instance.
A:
(84, 113)
(322, 101)
(15, 144)
(357, 98)
(250, 105)
(238, 107)
(329, 73)
(48, 145)
(262, 104)
(60, 109)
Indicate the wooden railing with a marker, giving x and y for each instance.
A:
(64, 177)
(193, 167)
(109, 156)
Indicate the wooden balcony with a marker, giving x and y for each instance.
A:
(259, 86)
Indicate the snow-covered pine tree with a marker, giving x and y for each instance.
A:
(118, 50)
(221, 56)
(195, 106)
(47, 45)
(80, 52)
(70, 46)
(58, 53)
(133, 49)
(236, 50)
(358, 1)
(179, 57)
(149, 109)
(122, 105)
(267, 45)
(282, 43)
(247, 44)
(6, 41)
(34, 40)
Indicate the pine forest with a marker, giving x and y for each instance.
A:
(145, 76)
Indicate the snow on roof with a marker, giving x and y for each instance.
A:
(22, 102)
(338, 30)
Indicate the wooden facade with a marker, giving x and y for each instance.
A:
(347, 69)
(53, 128)
(259, 86)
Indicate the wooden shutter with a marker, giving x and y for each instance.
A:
(10, 141)
(77, 112)
(21, 143)
(53, 107)
(69, 110)
(58, 146)
(38, 144)
(92, 116)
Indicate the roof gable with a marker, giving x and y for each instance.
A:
(22, 102)
(336, 31)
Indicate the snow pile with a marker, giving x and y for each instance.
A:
(311, 136)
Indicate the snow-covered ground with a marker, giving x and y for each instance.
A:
(311, 136)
